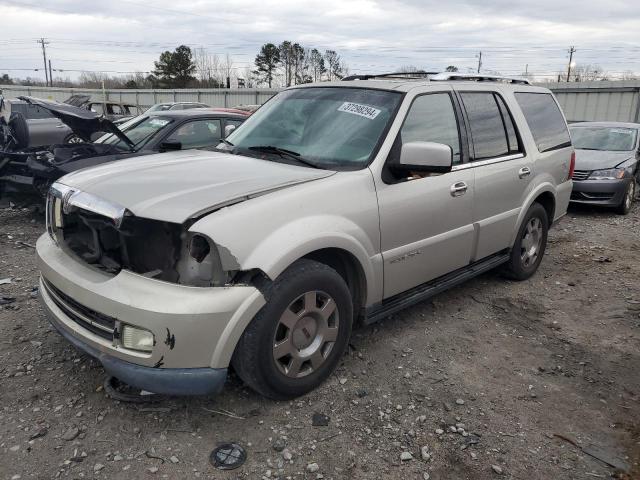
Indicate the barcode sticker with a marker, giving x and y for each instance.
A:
(361, 110)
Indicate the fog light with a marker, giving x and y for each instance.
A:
(137, 338)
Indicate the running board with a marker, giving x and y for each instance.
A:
(427, 290)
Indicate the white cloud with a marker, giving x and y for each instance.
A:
(371, 35)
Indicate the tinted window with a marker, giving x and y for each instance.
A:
(487, 130)
(545, 120)
(509, 126)
(197, 134)
(432, 118)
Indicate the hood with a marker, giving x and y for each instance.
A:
(177, 186)
(84, 123)
(599, 160)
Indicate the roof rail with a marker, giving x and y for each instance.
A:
(402, 75)
(478, 78)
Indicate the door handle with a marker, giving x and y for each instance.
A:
(524, 172)
(458, 189)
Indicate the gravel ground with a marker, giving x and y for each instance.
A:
(518, 370)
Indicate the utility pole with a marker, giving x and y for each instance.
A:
(571, 52)
(44, 56)
(50, 74)
(479, 62)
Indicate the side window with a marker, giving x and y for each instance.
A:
(509, 126)
(115, 109)
(431, 118)
(545, 120)
(197, 134)
(487, 129)
(97, 107)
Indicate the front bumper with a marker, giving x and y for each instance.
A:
(607, 193)
(194, 328)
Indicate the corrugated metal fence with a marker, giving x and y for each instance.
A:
(613, 101)
(600, 101)
(216, 97)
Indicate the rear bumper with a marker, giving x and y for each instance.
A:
(166, 381)
(607, 193)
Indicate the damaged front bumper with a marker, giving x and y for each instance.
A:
(194, 328)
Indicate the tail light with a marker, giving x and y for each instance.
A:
(572, 165)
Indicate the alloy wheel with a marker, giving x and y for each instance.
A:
(306, 333)
(531, 242)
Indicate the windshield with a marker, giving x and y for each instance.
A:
(603, 138)
(139, 130)
(336, 128)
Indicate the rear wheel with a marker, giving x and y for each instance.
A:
(73, 138)
(629, 197)
(20, 129)
(297, 339)
(530, 244)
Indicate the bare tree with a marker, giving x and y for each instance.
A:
(587, 73)
(629, 75)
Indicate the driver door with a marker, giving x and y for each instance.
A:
(426, 221)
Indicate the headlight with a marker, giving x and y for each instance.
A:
(137, 339)
(608, 174)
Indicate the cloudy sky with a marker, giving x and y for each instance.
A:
(370, 35)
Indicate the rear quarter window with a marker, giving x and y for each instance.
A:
(545, 120)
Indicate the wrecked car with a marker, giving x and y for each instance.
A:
(334, 204)
(111, 110)
(607, 164)
(28, 172)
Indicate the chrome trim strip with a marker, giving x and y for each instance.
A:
(489, 161)
(87, 201)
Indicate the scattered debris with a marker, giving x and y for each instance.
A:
(118, 390)
(497, 469)
(320, 420)
(599, 453)
(7, 300)
(228, 456)
(5, 281)
(312, 467)
(71, 433)
(226, 413)
(406, 456)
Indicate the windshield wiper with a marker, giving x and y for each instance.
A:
(283, 152)
(227, 142)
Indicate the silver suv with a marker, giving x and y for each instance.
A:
(334, 204)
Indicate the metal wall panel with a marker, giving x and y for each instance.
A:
(216, 97)
(614, 101)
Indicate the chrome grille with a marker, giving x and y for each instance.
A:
(581, 174)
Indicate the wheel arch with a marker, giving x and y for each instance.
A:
(545, 195)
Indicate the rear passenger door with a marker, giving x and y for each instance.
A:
(502, 169)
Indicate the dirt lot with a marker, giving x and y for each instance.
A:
(513, 364)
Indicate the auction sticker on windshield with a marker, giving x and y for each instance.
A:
(158, 122)
(357, 109)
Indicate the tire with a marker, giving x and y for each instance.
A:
(527, 253)
(627, 201)
(281, 361)
(20, 130)
(73, 138)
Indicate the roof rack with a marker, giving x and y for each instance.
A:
(402, 75)
(478, 78)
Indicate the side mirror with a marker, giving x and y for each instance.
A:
(170, 146)
(228, 129)
(425, 157)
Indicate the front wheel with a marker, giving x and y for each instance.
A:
(296, 341)
(627, 200)
(530, 244)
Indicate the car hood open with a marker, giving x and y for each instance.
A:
(84, 123)
(599, 159)
(178, 186)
